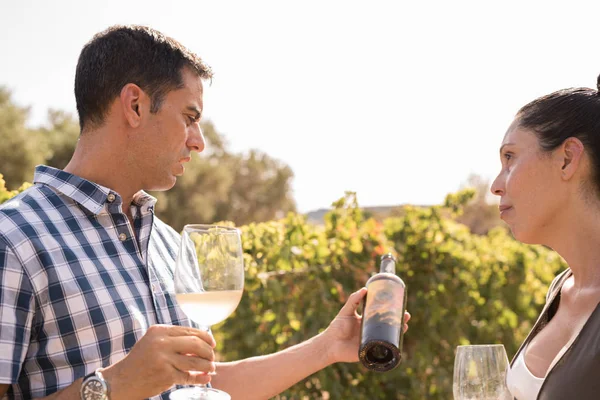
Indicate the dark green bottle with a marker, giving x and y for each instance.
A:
(383, 319)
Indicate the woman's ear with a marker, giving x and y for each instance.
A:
(571, 155)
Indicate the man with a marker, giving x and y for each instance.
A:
(86, 269)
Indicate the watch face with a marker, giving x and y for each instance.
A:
(93, 390)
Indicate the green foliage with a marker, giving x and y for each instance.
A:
(60, 137)
(480, 213)
(22, 148)
(462, 288)
(6, 194)
(457, 201)
(19, 151)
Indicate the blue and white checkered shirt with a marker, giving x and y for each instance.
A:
(77, 288)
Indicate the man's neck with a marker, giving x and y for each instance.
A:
(104, 162)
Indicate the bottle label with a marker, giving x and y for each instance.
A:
(384, 302)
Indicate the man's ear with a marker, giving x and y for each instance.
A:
(134, 104)
(571, 154)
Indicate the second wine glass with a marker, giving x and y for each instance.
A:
(480, 373)
(209, 282)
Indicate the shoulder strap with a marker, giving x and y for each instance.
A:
(557, 284)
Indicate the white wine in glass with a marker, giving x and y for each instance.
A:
(480, 373)
(209, 282)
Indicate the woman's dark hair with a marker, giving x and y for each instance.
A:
(129, 54)
(563, 114)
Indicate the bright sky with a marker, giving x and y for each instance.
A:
(397, 100)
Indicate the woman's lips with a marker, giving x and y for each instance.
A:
(504, 209)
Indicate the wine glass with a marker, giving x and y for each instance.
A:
(209, 281)
(480, 373)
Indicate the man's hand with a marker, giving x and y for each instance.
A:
(164, 356)
(344, 331)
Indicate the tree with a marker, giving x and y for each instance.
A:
(260, 190)
(20, 148)
(61, 138)
(481, 213)
(220, 185)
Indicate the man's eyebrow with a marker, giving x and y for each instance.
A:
(195, 109)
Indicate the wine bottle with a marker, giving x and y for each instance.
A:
(383, 318)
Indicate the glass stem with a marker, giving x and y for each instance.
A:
(203, 388)
(200, 393)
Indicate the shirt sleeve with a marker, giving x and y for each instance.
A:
(16, 314)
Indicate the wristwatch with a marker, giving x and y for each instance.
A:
(94, 387)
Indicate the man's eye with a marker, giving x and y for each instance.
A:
(191, 120)
(507, 156)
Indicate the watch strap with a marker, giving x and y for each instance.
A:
(97, 375)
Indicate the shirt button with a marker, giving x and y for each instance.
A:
(122, 237)
(153, 288)
(111, 197)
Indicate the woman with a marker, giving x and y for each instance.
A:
(549, 189)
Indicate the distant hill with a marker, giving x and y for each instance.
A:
(377, 212)
(479, 216)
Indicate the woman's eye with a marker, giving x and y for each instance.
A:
(507, 156)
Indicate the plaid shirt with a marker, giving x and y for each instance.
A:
(77, 288)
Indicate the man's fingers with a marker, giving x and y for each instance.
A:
(188, 331)
(407, 317)
(192, 345)
(190, 378)
(352, 303)
(192, 363)
(199, 378)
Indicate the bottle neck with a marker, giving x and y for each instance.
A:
(388, 266)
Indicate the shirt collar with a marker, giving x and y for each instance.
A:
(91, 196)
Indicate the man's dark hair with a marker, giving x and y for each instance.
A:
(129, 54)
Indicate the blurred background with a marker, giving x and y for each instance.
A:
(337, 131)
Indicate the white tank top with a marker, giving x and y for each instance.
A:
(521, 382)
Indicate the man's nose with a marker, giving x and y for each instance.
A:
(196, 140)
